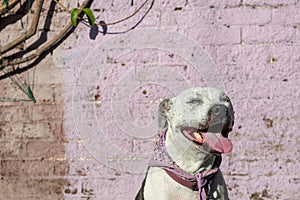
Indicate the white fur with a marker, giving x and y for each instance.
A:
(188, 156)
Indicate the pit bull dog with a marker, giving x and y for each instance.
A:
(185, 165)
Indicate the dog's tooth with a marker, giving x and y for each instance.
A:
(197, 136)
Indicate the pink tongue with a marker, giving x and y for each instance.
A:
(218, 142)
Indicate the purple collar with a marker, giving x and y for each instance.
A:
(197, 181)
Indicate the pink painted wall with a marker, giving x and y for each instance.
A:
(255, 46)
(94, 124)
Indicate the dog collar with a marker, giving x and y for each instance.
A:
(196, 182)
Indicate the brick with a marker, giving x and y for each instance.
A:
(171, 5)
(43, 112)
(48, 75)
(57, 131)
(44, 149)
(9, 35)
(36, 197)
(43, 93)
(119, 140)
(141, 114)
(14, 113)
(187, 18)
(151, 19)
(268, 34)
(138, 58)
(11, 149)
(11, 90)
(275, 73)
(217, 35)
(286, 125)
(11, 186)
(154, 74)
(285, 54)
(144, 146)
(59, 21)
(272, 109)
(215, 3)
(30, 130)
(83, 111)
(243, 16)
(72, 197)
(61, 167)
(45, 186)
(124, 7)
(85, 93)
(288, 15)
(58, 93)
(10, 130)
(11, 168)
(147, 95)
(89, 167)
(37, 168)
(36, 130)
(241, 56)
(270, 2)
(90, 187)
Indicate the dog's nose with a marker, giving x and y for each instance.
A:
(219, 111)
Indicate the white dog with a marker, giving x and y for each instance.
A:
(185, 165)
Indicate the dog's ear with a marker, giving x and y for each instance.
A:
(163, 108)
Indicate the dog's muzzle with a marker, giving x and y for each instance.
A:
(216, 133)
(220, 120)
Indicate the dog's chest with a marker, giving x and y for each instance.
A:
(159, 185)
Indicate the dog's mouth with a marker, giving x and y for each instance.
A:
(216, 141)
(193, 134)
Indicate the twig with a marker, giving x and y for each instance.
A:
(29, 33)
(63, 7)
(45, 47)
(124, 19)
(111, 23)
(5, 8)
(127, 30)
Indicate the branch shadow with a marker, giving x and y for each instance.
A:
(43, 39)
(13, 18)
(38, 60)
(134, 26)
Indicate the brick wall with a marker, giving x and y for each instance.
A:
(75, 143)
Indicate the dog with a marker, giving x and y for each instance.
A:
(185, 166)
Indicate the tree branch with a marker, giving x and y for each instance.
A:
(111, 23)
(7, 62)
(29, 33)
(63, 7)
(124, 19)
(5, 8)
(46, 47)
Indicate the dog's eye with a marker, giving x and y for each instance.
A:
(195, 101)
(226, 99)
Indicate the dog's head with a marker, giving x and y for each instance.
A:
(204, 116)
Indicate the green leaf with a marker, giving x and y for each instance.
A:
(74, 16)
(90, 15)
